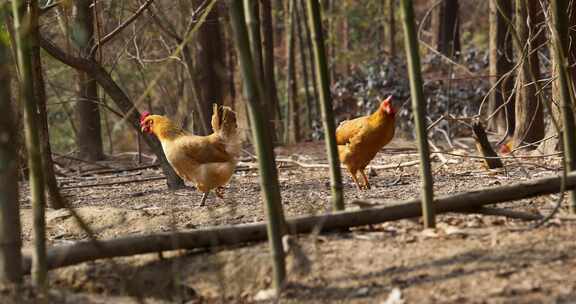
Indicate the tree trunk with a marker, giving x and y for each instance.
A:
(325, 100)
(529, 109)
(56, 200)
(329, 27)
(300, 18)
(263, 145)
(419, 108)
(22, 25)
(252, 13)
(447, 27)
(310, 47)
(89, 128)
(501, 53)
(272, 104)
(10, 229)
(210, 63)
(561, 49)
(554, 144)
(392, 27)
(292, 110)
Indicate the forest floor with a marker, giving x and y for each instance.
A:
(468, 258)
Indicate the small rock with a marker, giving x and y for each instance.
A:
(372, 172)
(395, 297)
(57, 214)
(361, 292)
(429, 233)
(265, 295)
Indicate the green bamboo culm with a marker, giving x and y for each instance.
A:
(323, 81)
(10, 229)
(251, 10)
(561, 43)
(263, 142)
(292, 119)
(419, 109)
(39, 269)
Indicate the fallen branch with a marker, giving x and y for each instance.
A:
(82, 161)
(326, 166)
(155, 178)
(119, 170)
(84, 251)
(506, 213)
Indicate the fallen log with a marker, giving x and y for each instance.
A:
(232, 235)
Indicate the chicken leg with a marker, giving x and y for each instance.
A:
(355, 178)
(365, 178)
(204, 197)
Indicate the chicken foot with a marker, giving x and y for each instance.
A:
(365, 178)
(355, 179)
(219, 192)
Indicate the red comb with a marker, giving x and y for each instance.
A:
(144, 115)
(386, 105)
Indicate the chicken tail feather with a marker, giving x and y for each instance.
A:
(225, 125)
(224, 121)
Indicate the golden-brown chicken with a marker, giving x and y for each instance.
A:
(361, 138)
(207, 161)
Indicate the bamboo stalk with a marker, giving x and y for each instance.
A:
(465, 202)
(22, 31)
(292, 128)
(251, 11)
(560, 13)
(419, 107)
(304, 64)
(10, 228)
(323, 80)
(56, 200)
(310, 51)
(263, 142)
(268, 67)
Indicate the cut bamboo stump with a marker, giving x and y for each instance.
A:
(484, 148)
(232, 235)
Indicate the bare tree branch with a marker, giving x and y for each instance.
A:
(111, 35)
(96, 71)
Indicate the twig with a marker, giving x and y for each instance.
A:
(443, 159)
(106, 171)
(120, 27)
(500, 157)
(376, 167)
(82, 160)
(155, 178)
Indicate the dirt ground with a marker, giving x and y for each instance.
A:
(467, 259)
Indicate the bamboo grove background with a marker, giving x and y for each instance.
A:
(75, 75)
